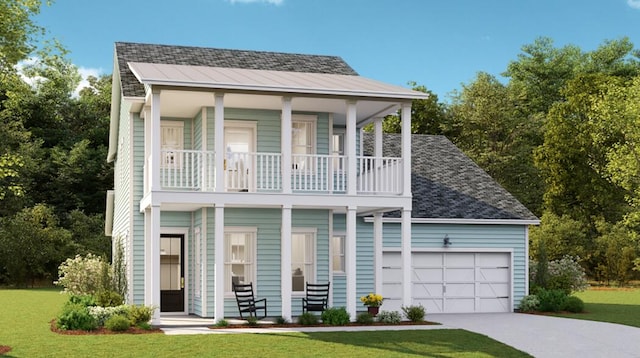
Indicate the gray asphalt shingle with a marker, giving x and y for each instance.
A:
(202, 56)
(446, 184)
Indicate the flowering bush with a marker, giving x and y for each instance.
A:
(564, 274)
(102, 314)
(372, 300)
(84, 275)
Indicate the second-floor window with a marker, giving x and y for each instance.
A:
(171, 143)
(303, 141)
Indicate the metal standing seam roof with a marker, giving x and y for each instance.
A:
(446, 184)
(267, 80)
(126, 52)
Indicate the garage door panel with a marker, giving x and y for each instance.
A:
(493, 258)
(460, 274)
(461, 259)
(494, 290)
(460, 305)
(392, 259)
(457, 290)
(494, 305)
(494, 274)
(434, 305)
(428, 274)
(391, 275)
(428, 258)
(422, 290)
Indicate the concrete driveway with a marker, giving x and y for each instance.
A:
(544, 336)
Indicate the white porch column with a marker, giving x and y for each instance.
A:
(147, 256)
(350, 149)
(377, 126)
(285, 262)
(146, 116)
(218, 118)
(204, 244)
(155, 140)
(218, 310)
(153, 275)
(285, 144)
(350, 258)
(377, 251)
(406, 148)
(406, 257)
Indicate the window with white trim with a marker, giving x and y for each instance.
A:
(303, 255)
(337, 253)
(239, 256)
(171, 139)
(303, 141)
(337, 149)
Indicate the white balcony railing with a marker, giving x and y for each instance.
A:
(262, 172)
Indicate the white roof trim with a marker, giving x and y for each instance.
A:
(268, 81)
(461, 221)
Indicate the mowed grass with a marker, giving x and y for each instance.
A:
(614, 305)
(25, 316)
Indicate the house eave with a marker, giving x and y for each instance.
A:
(459, 221)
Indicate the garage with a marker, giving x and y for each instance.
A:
(450, 282)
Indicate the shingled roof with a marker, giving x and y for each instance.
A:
(201, 56)
(446, 184)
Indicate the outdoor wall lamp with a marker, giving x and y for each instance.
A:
(446, 241)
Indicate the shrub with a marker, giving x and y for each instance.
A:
(529, 303)
(102, 314)
(140, 314)
(109, 298)
(252, 321)
(222, 323)
(308, 319)
(564, 274)
(335, 316)
(573, 304)
(551, 300)
(84, 300)
(83, 275)
(364, 318)
(414, 313)
(117, 323)
(389, 317)
(75, 316)
(146, 326)
(281, 320)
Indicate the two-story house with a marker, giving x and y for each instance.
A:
(246, 166)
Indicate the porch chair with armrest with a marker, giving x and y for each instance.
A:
(317, 297)
(246, 300)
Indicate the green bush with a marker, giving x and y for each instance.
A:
(307, 319)
(335, 316)
(529, 303)
(281, 320)
(140, 314)
(551, 300)
(102, 314)
(222, 323)
(109, 298)
(84, 300)
(75, 316)
(573, 304)
(389, 317)
(414, 313)
(146, 326)
(364, 318)
(252, 321)
(118, 323)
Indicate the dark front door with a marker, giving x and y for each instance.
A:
(171, 273)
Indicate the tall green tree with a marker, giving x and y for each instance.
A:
(428, 116)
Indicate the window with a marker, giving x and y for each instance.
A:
(171, 141)
(337, 149)
(302, 258)
(239, 256)
(337, 252)
(303, 135)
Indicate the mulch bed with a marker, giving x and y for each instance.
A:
(4, 350)
(102, 330)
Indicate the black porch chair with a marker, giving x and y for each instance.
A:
(247, 302)
(317, 297)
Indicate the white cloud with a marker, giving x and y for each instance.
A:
(271, 2)
(85, 73)
(634, 4)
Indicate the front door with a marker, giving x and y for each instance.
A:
(171, 273)
(238, 143)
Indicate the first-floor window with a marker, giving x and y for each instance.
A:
(239, 256)
(337, 252)
(302, 258)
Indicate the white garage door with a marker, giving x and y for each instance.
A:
(451, 282)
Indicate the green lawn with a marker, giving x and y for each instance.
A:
(610, 305)
(25, 316)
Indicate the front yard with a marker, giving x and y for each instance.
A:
(614, 305)
(25, 316)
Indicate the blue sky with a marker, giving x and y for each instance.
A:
(439, 44)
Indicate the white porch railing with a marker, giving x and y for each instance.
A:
(262, 172)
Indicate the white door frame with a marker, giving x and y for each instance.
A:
(166, 230)
(244, 125)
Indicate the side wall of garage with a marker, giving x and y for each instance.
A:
(477, 242)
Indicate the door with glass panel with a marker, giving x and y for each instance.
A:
(238, 163)
(171, 273)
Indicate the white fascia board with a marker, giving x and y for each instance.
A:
(460, 221)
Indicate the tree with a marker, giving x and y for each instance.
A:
(428, 116)
(18, 32)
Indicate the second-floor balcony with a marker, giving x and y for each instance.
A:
(195, 170)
